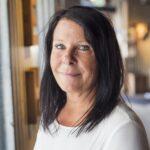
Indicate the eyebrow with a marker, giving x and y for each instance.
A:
(57, 40)
(76, 42)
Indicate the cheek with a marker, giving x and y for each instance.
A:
(53, 63)
(92, 72)
(92, 63)
(89, 64)
(92, 68)
(54, 60)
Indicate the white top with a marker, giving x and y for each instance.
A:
(121, 130)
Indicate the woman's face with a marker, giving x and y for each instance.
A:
(72, 59)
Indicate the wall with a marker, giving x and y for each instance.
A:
(140, 13)
(6, 106)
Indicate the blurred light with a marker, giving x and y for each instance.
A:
(132, 35)
(34, 49)
(147, 95)
(98, 2)
(141, 30)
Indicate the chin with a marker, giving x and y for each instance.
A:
(69, 88)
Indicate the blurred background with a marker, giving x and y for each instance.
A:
(23, 24)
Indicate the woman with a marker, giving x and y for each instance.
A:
(80, 89)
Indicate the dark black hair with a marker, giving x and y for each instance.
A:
(100, 34)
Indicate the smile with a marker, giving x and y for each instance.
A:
(70, 74)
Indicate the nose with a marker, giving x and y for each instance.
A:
(69, 57)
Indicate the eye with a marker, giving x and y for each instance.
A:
(84, 47)
(59, 46)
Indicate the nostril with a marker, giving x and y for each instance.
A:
(69, 59)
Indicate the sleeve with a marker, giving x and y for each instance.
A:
(129, 136)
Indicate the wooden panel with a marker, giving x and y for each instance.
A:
(19, 64)
(30, 22)
(141, 83)
(31, 101)
(31, 78)
(16, 43)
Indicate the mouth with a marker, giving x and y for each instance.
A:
(70, 74)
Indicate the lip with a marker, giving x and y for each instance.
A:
(70, 74)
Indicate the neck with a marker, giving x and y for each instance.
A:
(76, 108)
(80, 101)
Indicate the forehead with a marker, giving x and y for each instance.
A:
(67, 28)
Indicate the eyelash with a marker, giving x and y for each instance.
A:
(84, 47)
(57, 46)
(80, 47)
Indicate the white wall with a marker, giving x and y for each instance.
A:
(6, 116)
(45, 9)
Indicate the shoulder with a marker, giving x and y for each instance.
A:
(123, 128)
(121, 115)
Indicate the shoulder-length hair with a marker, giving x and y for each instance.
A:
(100, 34)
